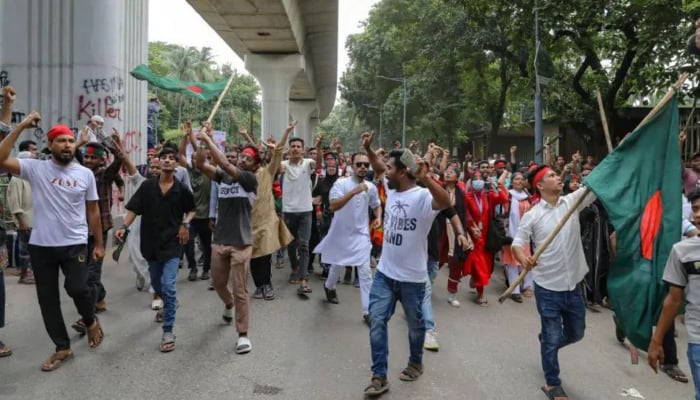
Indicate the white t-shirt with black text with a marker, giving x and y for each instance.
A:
(60, 193)
(407, 219)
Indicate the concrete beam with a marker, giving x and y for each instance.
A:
(275, 74)
(302, 112)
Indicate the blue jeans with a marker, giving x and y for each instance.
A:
(694, 361)
(164, 282)
(433, 266)
(563, 318)
(383, 296)
(299, 225)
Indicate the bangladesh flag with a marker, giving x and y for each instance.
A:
(640, 186)
(200, 90)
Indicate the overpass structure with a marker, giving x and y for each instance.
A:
(290, 46)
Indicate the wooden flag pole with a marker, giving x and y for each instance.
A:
(221, 97)
(669, 95)
(604, 121)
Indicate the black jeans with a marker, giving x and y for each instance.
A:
(72, 260)
(199, 227)
(2, 299)
(299, 225)
(94, 279)
(669, 346)
(261, 270)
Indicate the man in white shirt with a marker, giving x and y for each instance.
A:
(297, 207)
(559, 270)
(65, 200)
(348, 241)
(402, 273)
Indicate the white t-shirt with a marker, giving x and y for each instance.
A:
(348, 241)
(296, 186)
(60, 193)
(407, 219)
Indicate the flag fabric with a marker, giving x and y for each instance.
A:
(200, 90)
(639, 184)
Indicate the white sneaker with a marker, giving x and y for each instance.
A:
(157, 304)
(452, 300)
(430, 342)
(243, 345)
(228, 314)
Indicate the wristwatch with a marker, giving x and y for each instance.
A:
(4, 128)
(186, 224)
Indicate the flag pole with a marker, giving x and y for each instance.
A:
(221, 97)
(669, 95)
(604, 120)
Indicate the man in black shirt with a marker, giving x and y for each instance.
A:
(166, 207)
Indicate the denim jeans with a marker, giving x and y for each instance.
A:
(433, 266)
(164, 281)
(383, 296)
(2, 299)
(694, 361)
(563, 318)
(94, 280)
(299, 225)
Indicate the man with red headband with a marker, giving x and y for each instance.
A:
(558, 272)
(232, 246)
(64, 194)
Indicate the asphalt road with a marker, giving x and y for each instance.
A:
(309, 349)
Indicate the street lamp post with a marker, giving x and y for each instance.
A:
(380, 120)
(403, 81)
(538, 92)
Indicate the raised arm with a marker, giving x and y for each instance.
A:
(513, 160)
(319, 150)
(377, 163)
(216, 155)
(443, 162)
(8, 163)
(441, 199)
(248, 139)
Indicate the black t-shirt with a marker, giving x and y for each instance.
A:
(161, 218)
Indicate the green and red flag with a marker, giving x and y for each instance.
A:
(639, 184)
(200, 90)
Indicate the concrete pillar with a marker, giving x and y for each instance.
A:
(302, 111)
(70, 59)
(313, 124)
(275, 74)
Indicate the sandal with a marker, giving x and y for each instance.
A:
(79, 326)
(304, 289)
(411, 372)
(378, 387)
(555, 393)
(482, 301)
(167, 343)
(528, 293)
(159, 316)
(56, 360)
(4, 350)
(516, 298)
(95, 334)
(675, 373)
(293, 277)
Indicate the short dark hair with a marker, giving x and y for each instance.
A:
(359, 153)
(24, 145)
(255, 149)
(694, 195)
(296, 139)
(482, 162)
(531, 176)
(169, 150)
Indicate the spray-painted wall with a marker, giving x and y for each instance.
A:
(70, 59)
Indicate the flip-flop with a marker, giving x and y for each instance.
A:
(557, 392)
(4, 350)
(55, 361)
(675, 373)
(95, 334)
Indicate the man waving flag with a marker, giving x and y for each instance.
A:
(639, 184)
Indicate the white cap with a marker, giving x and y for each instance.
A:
(97, 118)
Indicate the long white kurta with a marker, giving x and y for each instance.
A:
(347, 242)
(133, 241)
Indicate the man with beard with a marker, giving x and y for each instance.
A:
(350, 198)
(402, 273)
(64, 194)
(166, 207)
(232, 245)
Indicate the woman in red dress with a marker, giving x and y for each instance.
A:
(481, 202)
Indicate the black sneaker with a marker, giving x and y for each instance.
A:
(204, 276)
(258, 293)
(365, 318)
(193, 275)
(268, 292)
(331, 296)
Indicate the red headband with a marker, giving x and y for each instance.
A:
(251, 153)
(58, 130)
(499, 163)
(538, 176)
